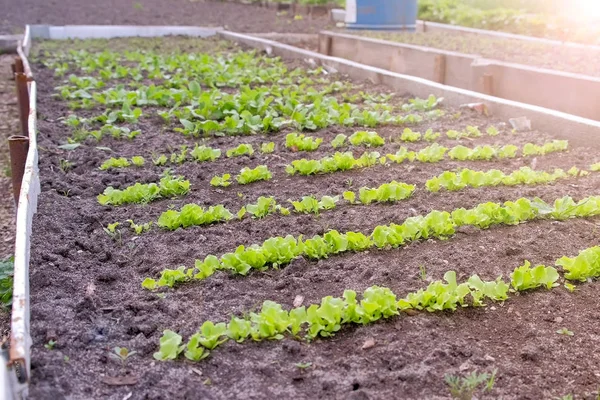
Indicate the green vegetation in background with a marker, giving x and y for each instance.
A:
(526, 17)
(6, 281)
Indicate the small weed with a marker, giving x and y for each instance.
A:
(65, 165)
(50, 345)
(565, 331)
(463, 388)
(303, 365)
(138, 6)
(121, 354)
(112, 231)
(207, 382)
(66, 358)
(349, 182)
(570, 287)
(423, 272)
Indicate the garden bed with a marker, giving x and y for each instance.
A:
(241, 17)
(86, 273)
(579, 60)
(563, 91)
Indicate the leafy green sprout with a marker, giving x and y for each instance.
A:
(304, 365)
(50, 345)
(423, 272)
(565, 332)
(65, 165)
(570, 287)
(464, 388)
(112, 231)
(121, 354)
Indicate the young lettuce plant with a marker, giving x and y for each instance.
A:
(339, 141)
(311, 205)
(193, 215)
(205, 153)
(267, 148)
(120, 162)
(409, 136)
(299, 142)
(247, 175)
(167, 187)
(387, 192)
(241, 150)
(525, 277)
(223, 181)
(370, 139)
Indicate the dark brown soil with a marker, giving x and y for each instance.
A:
(233, 16)
(86, 291)
(578, 60)
(9, 125)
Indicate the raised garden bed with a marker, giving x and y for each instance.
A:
(563, 91)
(580, 60)
(86, 273)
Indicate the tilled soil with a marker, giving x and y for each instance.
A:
(233, 16)
(9, 125)
(86, 293)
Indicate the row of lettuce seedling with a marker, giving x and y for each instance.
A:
(278, 251)
(170, 186)
(203, 153)
(376, 303)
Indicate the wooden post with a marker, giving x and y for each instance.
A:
(488, 84)
(18, 147)
(23, 101)
(439, 69)
(326, 46)
(19, 67)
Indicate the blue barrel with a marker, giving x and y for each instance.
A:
(382, 14)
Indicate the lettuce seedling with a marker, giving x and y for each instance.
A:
(418, 104)
(239, 329)
(160, 161)
(438, 296)
(205, 153)
(139, 228)
(300, 142)
(193, 215)
(387, 192)
(370, 139)
(432, 153)
(194, 350)
(138, 161)
(222, 181)
(120, 162)
(409, 136)
(247, 175)
(145, 193)
(492, 131)
(267, 148)
(339, 140)
(430, 136)
(402, 155)
(525, 277)
(212, 334)
(263, 207)
(241, 150)
(170, 346)
(583, 267)
(270, 323)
